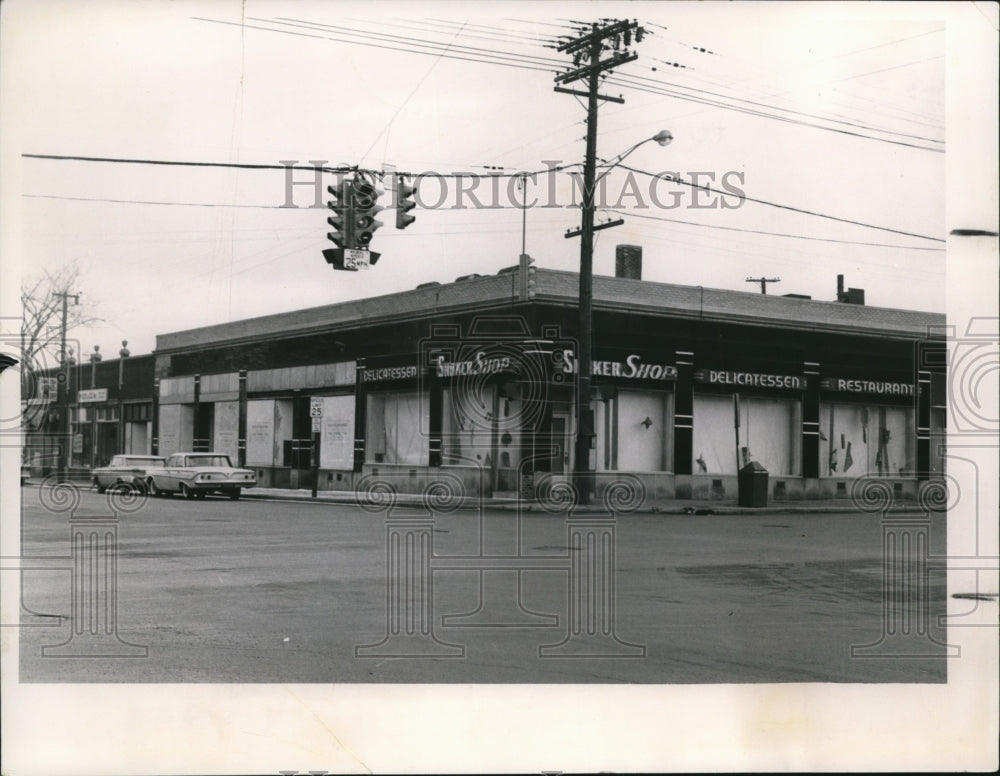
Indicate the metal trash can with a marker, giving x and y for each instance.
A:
(752, 483)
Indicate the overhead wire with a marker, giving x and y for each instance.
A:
(678, 179)
(710, 94)
(329, 36)
(498, 173)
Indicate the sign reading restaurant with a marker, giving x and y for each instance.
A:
(882, 387)
(750, 379)
(632, 368)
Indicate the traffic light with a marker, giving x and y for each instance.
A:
(404, 202)
(343, 219)
(365, 208)
(527, 276)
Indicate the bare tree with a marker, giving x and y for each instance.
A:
(41, 324)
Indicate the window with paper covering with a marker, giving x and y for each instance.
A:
(393, 429)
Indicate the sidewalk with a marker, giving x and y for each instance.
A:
(663, 507)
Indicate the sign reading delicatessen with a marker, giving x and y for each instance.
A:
(750, 379)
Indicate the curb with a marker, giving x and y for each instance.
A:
(682, 509)
(669, 509)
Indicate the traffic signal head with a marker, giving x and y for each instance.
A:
(365, 208)
(527, 276)
(342, 219)
(404, 202)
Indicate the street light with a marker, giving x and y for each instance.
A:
(584, 416)
(94, 358)
(663, 138)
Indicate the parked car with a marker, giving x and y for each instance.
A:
(129, 470)
(195, 475)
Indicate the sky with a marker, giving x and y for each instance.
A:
(839, 111)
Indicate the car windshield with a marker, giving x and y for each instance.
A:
(201, 461)
(143, 462)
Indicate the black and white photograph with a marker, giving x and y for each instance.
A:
(482, 387)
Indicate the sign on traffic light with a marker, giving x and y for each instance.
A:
(343, 219)
(404, 202)
(365, 208)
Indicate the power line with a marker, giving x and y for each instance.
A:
(779, 206)
(846, 122)
(692, 98)
(398, 39)
(371, 45)
(780, 234)
(149, 202)
(166, 162)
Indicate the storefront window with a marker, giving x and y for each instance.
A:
(337, 433)
(769, 434)
(176, 428)
(393, 429)
(269, 426)
(470, 422)
(860, 439)
(635, 432)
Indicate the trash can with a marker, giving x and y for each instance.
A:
(752, 483)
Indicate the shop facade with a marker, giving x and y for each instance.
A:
(475, 381)
(91, 411)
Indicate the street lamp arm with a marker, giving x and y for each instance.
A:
(663, 137)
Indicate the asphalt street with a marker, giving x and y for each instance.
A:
(269, 591)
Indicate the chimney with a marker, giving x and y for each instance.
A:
(628, 261)
(852, 295)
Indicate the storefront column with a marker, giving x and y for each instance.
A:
(923, 413)
(684, 412)
(241, 423)
(435, 411)
(810, 420)
(155, 444)
(197, 414)
(360, 414)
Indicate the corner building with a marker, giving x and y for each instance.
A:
(476, 381)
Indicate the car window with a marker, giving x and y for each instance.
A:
(208, 460)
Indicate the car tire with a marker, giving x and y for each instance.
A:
(187, 492)
(151, 488)
(97, 484)
(234, 495)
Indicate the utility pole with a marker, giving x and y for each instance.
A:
(589, 47)
(64, 423)
(763, 282)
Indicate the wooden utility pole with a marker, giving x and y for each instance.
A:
(590, 47)
(763, 282)
(64, 423)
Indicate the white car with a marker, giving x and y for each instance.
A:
(130, 470)
(195, 475)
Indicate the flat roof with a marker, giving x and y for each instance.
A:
(562, 287)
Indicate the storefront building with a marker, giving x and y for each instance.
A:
(108, 405)
(475, 381)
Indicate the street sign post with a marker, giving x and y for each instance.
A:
(316, 413)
